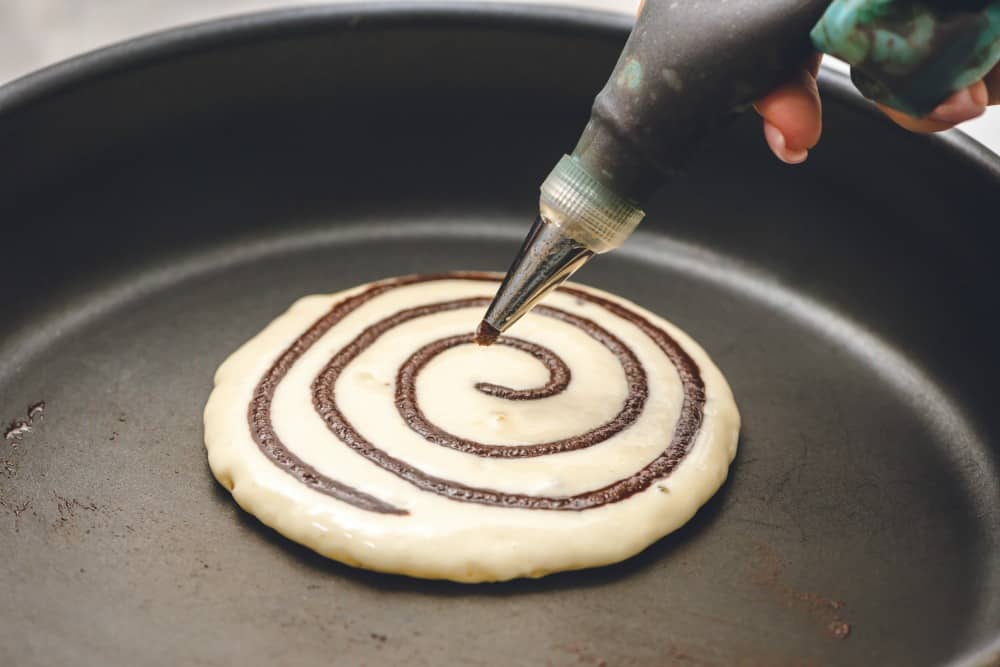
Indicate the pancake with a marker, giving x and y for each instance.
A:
(368, 426)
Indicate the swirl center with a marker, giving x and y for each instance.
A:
(559, 376)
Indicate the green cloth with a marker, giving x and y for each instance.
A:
(911, 55)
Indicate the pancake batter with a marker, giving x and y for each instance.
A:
(369, 426)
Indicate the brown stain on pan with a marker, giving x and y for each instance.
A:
(827, 611)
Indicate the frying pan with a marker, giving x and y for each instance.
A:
(162, 200)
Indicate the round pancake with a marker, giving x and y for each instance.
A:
(368, 426)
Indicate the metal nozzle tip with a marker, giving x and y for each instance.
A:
(486, 334)
(546, 259)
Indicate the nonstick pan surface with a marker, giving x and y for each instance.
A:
(161, 201)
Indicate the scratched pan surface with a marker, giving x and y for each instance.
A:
(160, 202)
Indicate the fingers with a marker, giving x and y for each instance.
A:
(966, 104)
(792, 114)
(919, 125)
(793, 119)
(992, 81)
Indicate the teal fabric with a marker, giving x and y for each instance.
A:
(911, 55)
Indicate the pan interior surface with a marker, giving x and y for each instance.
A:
(163, 206)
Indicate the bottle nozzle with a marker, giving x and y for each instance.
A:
(547, 258)
(579, 218)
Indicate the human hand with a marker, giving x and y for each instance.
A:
(793, 120)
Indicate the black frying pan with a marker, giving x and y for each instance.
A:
(162, 200)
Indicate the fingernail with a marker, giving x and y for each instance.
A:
(980, 93)
(776, 140)
(964, 105)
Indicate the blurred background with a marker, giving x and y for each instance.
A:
(37, 33)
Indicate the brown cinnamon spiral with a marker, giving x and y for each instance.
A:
(407, 403)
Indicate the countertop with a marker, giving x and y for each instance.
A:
(36, 33)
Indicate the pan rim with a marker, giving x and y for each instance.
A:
(20, 94)
(23, 92)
